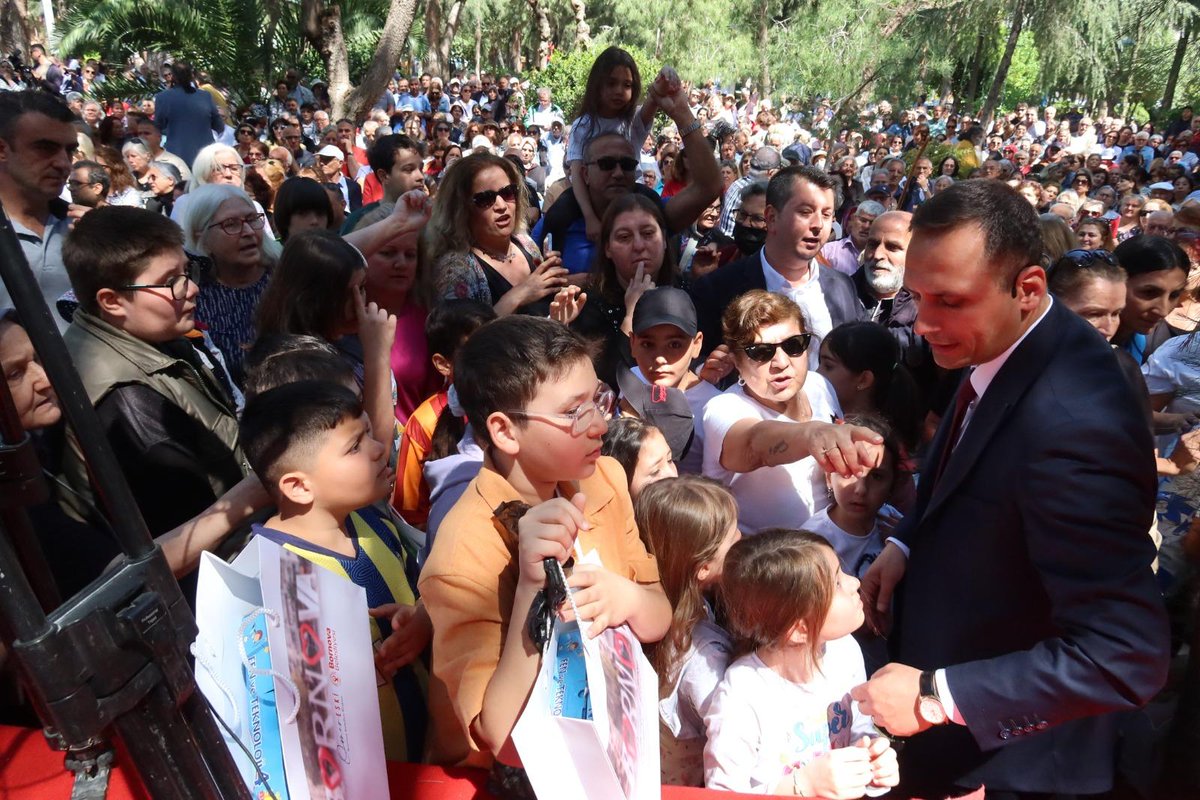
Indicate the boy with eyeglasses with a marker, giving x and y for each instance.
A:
(165, 403)
(530, 393)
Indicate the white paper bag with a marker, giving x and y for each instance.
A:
(615, 754)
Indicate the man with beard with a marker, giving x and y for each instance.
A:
(845, 255)
(880, 281)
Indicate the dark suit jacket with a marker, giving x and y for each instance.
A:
(355, 192)
(716, 290)
(1029, 577)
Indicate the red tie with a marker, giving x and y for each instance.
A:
(962, 401)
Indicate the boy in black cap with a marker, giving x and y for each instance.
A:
(666, 340)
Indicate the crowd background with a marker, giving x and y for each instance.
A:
(455, 190)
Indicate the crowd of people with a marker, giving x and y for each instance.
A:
(865, 425)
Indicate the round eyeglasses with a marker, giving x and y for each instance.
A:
(603, 402)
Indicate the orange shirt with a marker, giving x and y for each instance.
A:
(470, 579)
(411, 497)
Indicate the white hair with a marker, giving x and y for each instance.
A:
(205, 165)
(136, 147)
(202, 206)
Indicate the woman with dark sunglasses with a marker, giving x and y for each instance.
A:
(771, 438)
(477, 242)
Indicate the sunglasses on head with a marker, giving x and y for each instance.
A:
(487, 198)
(609, 163)
(793, 346)
(1082, 259)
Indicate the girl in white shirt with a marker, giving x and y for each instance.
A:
(689, 523)
(782, 721)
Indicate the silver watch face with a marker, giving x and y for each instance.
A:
(932, 710)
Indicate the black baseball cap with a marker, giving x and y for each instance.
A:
(665, 305)
(664, 407)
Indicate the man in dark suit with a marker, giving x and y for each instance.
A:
(1028, 613)
(800, 208)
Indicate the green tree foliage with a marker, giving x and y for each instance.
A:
(567, 72)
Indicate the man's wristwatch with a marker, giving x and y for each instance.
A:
(929, 705)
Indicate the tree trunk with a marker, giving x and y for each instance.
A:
(434, 64)
(323, 27)
(993, 96)
(448, 31)
(1132, 61)
(583, 33)
(514, 50)
(14, 28)
(975, 72)
(478, 43)
(764, 39)
(1168, 99)
(541, 21)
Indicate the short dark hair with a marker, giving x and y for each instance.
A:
(96, 173)
(503, 363)
(587, 153)
(782, 185)
(310, 285)
(282, 428)
(382, 155)
(1143, 254)
(451, 322)
(297, 195)
(110, 246)
(754, 189)
(14, 105)
(623, 441)
(282, 358)
(1012, 232)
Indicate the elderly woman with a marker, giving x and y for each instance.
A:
(1129, 216)
(772, 437)
(165, 184)
(222, 224)
(218, 164)
(476, 239)
(137, 157)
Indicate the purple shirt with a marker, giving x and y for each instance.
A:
(842, 255)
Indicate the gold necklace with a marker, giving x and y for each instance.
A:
(504, 258)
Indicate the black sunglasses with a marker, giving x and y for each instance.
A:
(609, 163)
(762, 352)
(486, 199)
(1082, 259)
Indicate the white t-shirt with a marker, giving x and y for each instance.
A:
(769, 497)
(856, 553)
(586, 128)
(682, 712)
(762, 727)
(1174, 368)
(697, 397)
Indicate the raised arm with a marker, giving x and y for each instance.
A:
(686, 207)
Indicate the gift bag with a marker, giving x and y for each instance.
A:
(233, 670)
(322, 669)
(334, 747)
(614, 754)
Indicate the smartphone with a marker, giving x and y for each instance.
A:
(549, 243)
